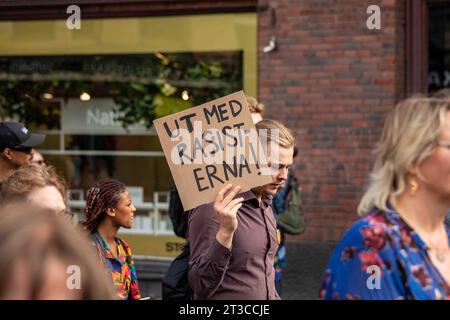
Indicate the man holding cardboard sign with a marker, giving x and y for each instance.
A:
(219, 166)
(211, 145)
(233, 241)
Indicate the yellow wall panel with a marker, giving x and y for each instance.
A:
(214, 32)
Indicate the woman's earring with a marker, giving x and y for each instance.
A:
(413, 185)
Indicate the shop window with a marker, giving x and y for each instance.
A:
(97, 111)
(439, 48)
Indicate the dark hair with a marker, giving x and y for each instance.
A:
(102, 195)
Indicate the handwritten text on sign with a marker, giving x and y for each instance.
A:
(211, 145)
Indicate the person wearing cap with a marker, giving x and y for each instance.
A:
(16, 147)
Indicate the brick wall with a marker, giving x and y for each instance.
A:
(332, 80)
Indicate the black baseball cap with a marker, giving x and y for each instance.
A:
(16, 135)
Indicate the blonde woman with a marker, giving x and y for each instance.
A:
(400, 248)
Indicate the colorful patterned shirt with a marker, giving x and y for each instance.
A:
(381, 257)
(123, 271)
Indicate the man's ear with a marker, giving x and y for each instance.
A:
(8, 153)
(111, 212)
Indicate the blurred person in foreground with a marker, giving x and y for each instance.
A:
(44, 258)
(16, 147)
(400, 248)
(108, 208)
(37, 186)
(233, 241)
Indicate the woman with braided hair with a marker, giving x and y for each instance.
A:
(109, 207)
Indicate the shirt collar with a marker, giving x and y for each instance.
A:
(106, 250)
(404, 226)
(249, 196)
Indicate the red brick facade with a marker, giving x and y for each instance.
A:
(332, 80)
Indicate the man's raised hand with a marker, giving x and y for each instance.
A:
(226, 208)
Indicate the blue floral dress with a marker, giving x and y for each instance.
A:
(381, 257)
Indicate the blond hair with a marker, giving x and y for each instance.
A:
(409, 135)
(276, 131)
(29, 178)
(254, 106)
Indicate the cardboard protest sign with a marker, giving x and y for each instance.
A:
(211, 145)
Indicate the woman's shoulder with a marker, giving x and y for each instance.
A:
(372, 231)
(366, 249)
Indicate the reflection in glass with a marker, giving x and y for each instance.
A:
(439, 48)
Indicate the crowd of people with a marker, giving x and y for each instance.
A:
(398, 249)
(45, 254)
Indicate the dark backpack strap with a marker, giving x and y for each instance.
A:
(175, 284)
(177, 214)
